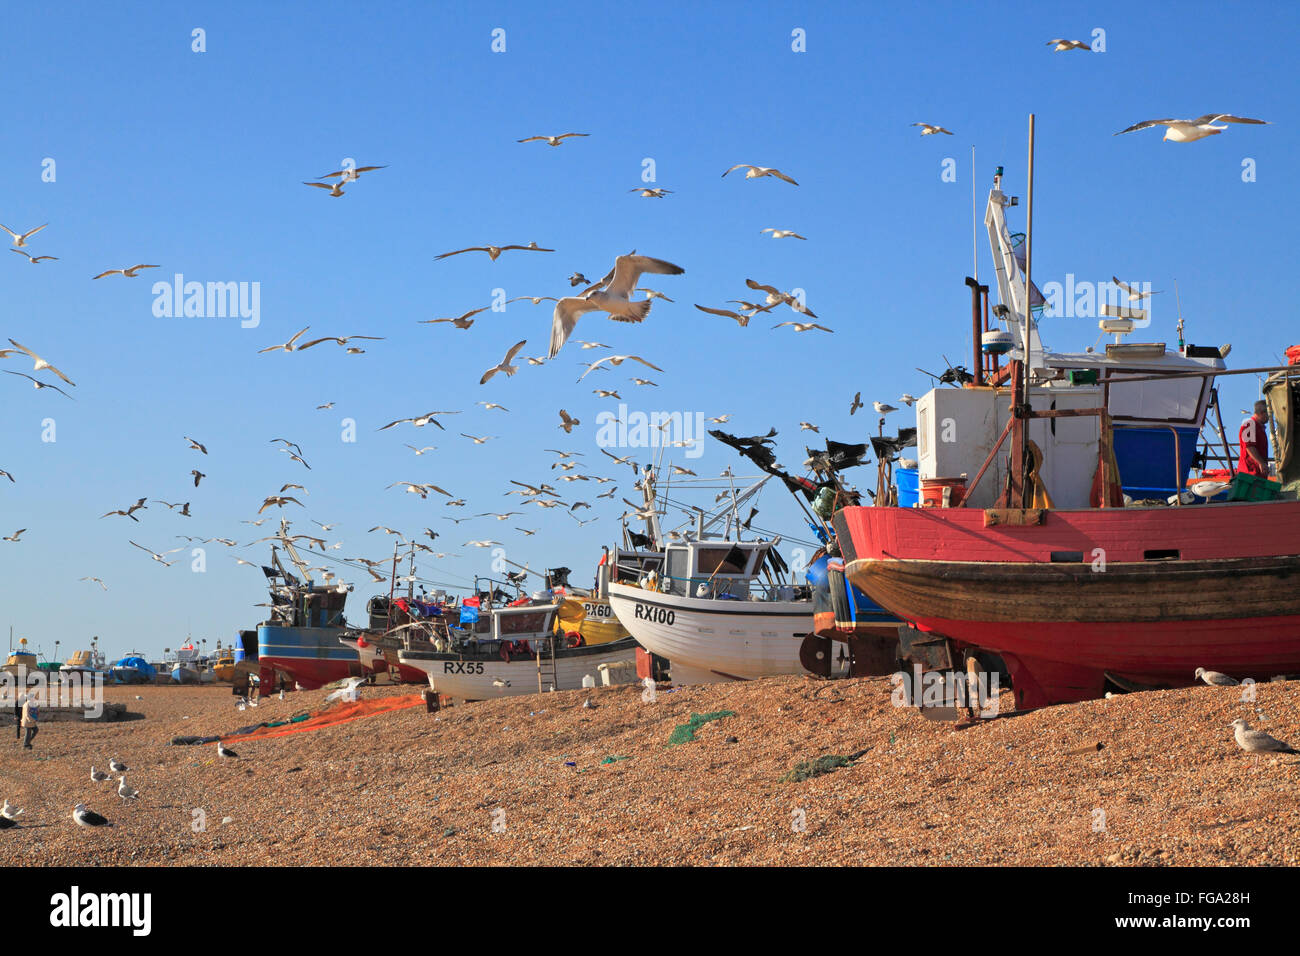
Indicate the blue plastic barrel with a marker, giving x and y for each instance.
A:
(909, 486)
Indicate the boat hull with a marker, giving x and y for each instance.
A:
(310, 656)
(716, 640)
(1069, 598)
(378, 660)
(468, 677)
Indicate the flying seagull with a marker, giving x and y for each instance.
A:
(287, 346)
(613, 299)
(741, 320)
(461, 322)
(1133, 294)
(494, 251)
(777, 297)
(783, 233)
(755, 172)
(196, 445)
(928, 129)
(40, 362)
(856, 403)
(335, 189)
(567, 422)
(128, 273)
(1189, 131)
(37, 383)
(651, 192)
(551, 140)
(97, 581)
(13, 537)
(616, 360)
(351, 174)
(20, 240)
(504, 365)
(158, 557)
(128, 512)
(34, 259)
(803, 326)
(1061, 45)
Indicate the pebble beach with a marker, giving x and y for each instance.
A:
(543, 780)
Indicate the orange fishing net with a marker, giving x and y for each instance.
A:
(341, 713)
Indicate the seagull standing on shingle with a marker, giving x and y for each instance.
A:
(1215, 679)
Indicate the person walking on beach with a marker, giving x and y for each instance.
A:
(31, 714)
(19, 700)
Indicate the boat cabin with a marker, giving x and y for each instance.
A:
(713, 568)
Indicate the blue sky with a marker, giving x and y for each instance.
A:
(195, 161)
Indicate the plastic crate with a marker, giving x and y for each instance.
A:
(1253, 488)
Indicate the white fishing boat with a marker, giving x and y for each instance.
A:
(715, 607)
(521, 652)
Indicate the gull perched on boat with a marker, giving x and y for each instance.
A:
(551, 140)
(125, 792)
(1060, 45)
(882, 408)
(504, 365)
(803, 326)
(614, 299)
(929, 129)
(128, 273)
(1133, 294)
(34, 259)
(494, 251)
(756, 172)
(40, 363)
(37, 383)
(20, 240)
(783, 233)
(1189, 131)
(88, 818)
(461, 322)
(1257, 742)
(1215, 679)
(616, 360)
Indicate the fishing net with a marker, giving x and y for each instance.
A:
(685, 733)
(330, 717)
(806, 769)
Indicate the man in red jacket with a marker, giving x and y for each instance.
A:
(1254, 443)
